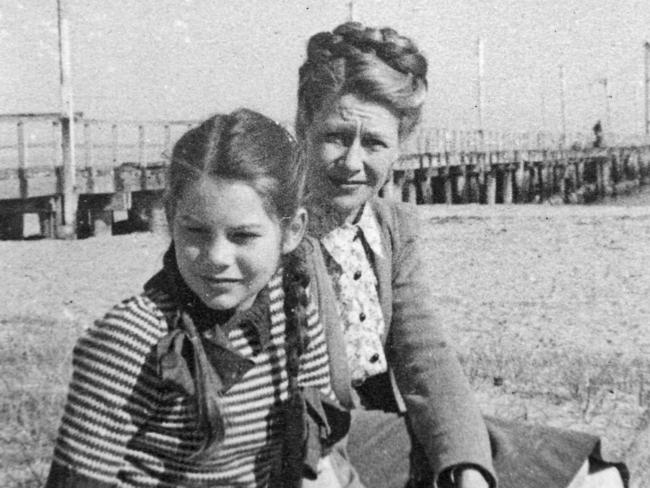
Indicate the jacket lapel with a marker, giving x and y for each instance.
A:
(383, 266)
(321, 288)
(383, 272)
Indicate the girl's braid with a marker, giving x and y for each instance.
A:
(295, 280)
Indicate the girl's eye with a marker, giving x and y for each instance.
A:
(334, 138)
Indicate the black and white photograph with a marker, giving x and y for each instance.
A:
(325, 244)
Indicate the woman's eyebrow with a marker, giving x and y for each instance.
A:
(376, 134)
(373, 133)
(351, 127)
(365, 131)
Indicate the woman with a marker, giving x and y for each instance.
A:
(361, 92)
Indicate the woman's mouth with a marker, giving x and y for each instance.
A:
(347, 184)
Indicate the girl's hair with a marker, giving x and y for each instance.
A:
(244, 146)
(378, 65)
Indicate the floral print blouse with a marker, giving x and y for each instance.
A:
(347, 248)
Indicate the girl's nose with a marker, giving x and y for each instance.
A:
(220, 252)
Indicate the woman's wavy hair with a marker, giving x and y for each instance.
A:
(379, 65)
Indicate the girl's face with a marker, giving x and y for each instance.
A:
(351, 147)
(227, 246)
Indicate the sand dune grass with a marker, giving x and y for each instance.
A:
(33, 381)
(548, 308)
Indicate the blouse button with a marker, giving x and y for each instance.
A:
(362, 316)
(357, 275)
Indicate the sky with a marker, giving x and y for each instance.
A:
(187, 59)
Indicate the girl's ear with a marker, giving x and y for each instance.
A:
(294, 231)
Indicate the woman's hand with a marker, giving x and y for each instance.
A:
(469, 478)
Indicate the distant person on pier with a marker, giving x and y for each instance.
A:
(598, 134)
(361, 93)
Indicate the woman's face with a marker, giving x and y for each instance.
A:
(351, 146)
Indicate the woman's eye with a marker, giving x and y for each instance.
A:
(244, 237)
(375, 144)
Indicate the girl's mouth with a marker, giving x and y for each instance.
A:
(218, 281)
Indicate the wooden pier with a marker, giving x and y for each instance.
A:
(519, 175)
(120, 172)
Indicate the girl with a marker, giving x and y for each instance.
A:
(201, 379)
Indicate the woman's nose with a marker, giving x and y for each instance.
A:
(353, 158)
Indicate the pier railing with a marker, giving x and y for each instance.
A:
(121, 165)
(116, 162)
(578, 175)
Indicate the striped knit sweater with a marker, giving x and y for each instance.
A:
(122, 428)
